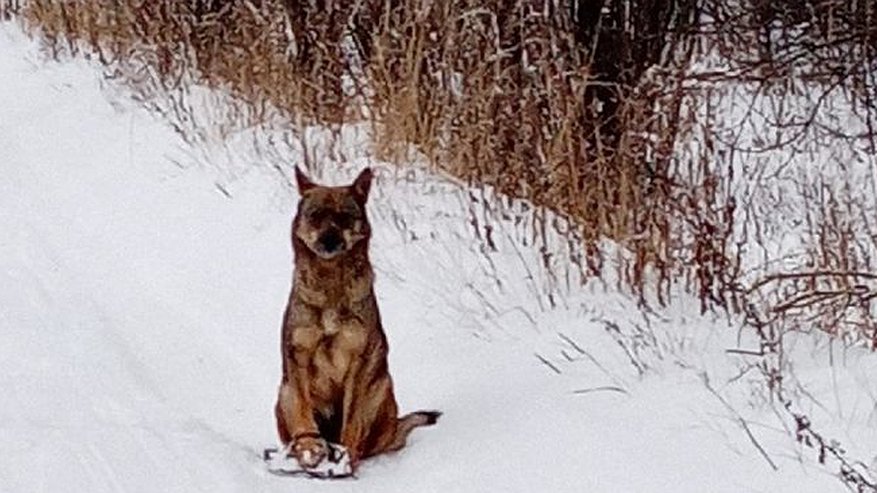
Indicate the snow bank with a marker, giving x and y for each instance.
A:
(142, 284)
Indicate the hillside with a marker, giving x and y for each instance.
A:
(142, 284)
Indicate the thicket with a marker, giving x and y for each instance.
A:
(610, 117)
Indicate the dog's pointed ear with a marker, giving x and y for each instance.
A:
(304, 183)
(362, 184)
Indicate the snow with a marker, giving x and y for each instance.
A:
(140, 310)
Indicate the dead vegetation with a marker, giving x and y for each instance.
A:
(608, 116)
(501, 96)
(701, 136)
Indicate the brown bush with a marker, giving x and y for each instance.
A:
(499, 94)
(564, 107)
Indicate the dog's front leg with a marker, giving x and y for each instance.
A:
(353, 428)
(297, 404)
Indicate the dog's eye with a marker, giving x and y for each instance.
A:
(351, 208)
(343, 221)
(317, 215)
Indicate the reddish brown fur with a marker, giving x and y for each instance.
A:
(336, 385)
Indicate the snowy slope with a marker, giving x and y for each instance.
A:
(139, 328)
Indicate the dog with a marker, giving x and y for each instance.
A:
(336, 385)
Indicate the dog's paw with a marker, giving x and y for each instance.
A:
(310, 451)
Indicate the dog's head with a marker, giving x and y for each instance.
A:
(331, 221)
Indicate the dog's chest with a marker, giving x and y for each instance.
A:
(341, 340)
(331, 322)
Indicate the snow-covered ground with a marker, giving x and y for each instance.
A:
(141, 292)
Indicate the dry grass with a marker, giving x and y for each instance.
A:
(495, 101)
(492, 95)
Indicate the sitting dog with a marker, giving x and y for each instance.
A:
(336, 386)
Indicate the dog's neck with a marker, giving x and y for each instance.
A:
(340, 280)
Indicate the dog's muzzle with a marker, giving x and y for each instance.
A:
(330, 242)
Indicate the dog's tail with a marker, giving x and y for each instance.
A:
(407, 423)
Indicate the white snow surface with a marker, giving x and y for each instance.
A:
(140, 312)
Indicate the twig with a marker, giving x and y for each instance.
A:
(590, 357)
(740, 420)
(606, 388)
(548, 363)
(811, 274)
(749, 352)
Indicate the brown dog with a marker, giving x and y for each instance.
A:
(336, 386)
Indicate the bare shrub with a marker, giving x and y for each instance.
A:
(594, 116)
(799, 86)
(499, 94)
